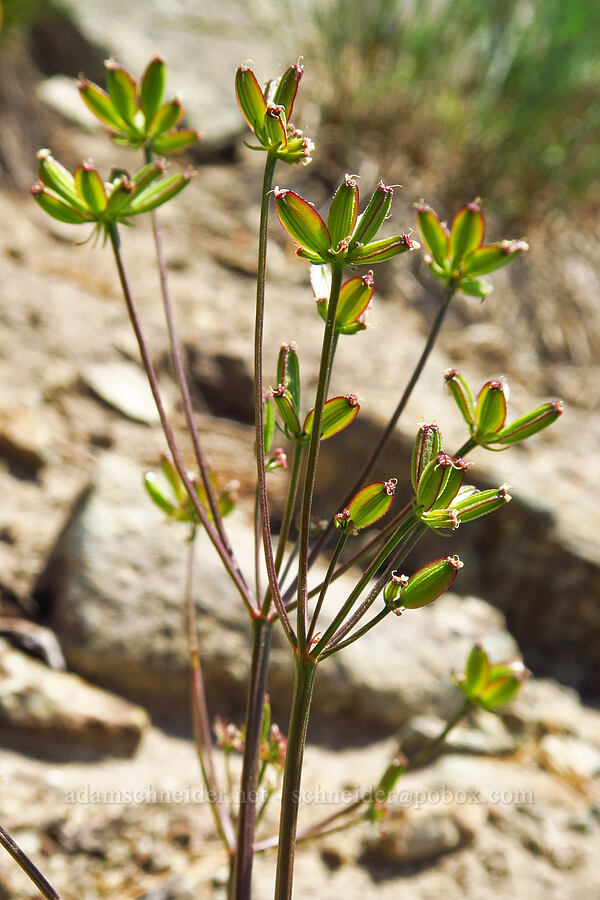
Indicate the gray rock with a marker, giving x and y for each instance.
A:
(123, 386)
(486, 736)
(115, 587)
(419, 838)
(24, 438)
(45, 704)
(569, 758)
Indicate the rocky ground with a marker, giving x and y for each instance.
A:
(512, 809)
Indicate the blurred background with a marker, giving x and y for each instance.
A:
(453, 101)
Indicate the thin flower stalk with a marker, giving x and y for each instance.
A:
(30, 869)
(242, 865)
(200, 717)
(286, 521)
(218, 544)
(313, 454)
(181, 377)
(326, 582)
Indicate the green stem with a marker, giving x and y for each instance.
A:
(261, 640)
(288, 566)
(213, 534)
(288, 515)
(326, 582)
(424, 755)
(381, 557)
(466, 447)
(263, 808)
(357, 634)
(30, 869)
(257, 545)
(265, 520)
(200, 717)
(313, 452)
(292, 776)
(431, 339)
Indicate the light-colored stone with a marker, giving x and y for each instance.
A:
(123, 385)
(569, 758)
(40, 703)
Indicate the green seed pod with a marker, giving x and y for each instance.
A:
(90, 188)
(287, 88)
(175, 142)
(475, 288)
(433, 480)
(462, 394)
(500, 692)
(158, 193)
(152, 87)
(157, 495)
(56, 207)
(343, 212)
(355, 297)
(59, 180)
(250, 98)
(379, 251)
(434, 234)
(393, 590)
(530, 423)
(167, 117)
(491, 408)
(228, 497)
(168, 469)
(430, 582)
(453, 482)
(371, 503)
(338, 413)
(288, 372)
(493, 256)
(146, 175)
(375, 214)
(303, 223)
(481, 503)
(477, 671)
(101, 105)
(119, 197)
(286, 409)
(466, 233)
(122, 91)
(268, 424)
(275, 130)
(428, 444)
